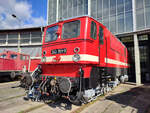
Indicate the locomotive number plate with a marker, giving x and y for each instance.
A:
(58, 51)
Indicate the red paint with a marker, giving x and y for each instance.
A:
(17, 63)
(34, 63)
(111, 48)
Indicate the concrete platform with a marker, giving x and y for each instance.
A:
(123, 99)
(126, 98)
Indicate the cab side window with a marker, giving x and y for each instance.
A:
(101, 39)
(93, 30)
(22, 57)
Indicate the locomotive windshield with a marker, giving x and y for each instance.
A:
(13, 56)
(71, 29)
(3, 56)
(51, 34)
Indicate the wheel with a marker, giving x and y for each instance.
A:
(76, 99)
(26, 81)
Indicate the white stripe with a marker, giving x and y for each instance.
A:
(35, 57)
(83, 57)
(86, 57)
(112, 61)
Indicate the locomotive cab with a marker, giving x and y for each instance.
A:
(71, 41)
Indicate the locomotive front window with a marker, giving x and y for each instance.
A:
(71, 29)
(13, 56)
(51, 34)
(3, 56)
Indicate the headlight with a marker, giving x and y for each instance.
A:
(77, 50)
(76, 58)
(44, 53)
(43, 59)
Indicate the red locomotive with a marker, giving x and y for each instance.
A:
(13, 64)
(81, 59)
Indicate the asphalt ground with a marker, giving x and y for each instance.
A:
(125, 98)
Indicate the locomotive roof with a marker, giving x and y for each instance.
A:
(77, 17)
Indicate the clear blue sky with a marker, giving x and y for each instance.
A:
(39, 7)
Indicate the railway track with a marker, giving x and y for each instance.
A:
(11, 101)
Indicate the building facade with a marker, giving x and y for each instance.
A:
(127, 19)
(25, 40)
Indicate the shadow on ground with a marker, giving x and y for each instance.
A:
(138, 98)
(62, 104)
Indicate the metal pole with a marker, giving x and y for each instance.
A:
(89, 7)
(136, 47)
(57, 11)
(19, 43)
(19, 39)
(137, 60)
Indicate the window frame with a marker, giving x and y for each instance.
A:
(101, 35)
(3, 56)
(55, 33)
(71, 37)
(16, 56)
(92, 29)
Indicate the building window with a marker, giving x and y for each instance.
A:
(113, 24)
(94, 8)
(140, 19)
(3, 38)
(120, 6)
(105, 8)
(99, 9)
(128, 5)
(143, 37)
(121, 23)
(112, 7)
(129, 21)
(36, 37)
(25, 37)
(147, 12)
(72, 8)
(52, 11)
(12, 38)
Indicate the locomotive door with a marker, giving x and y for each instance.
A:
(102, 47)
